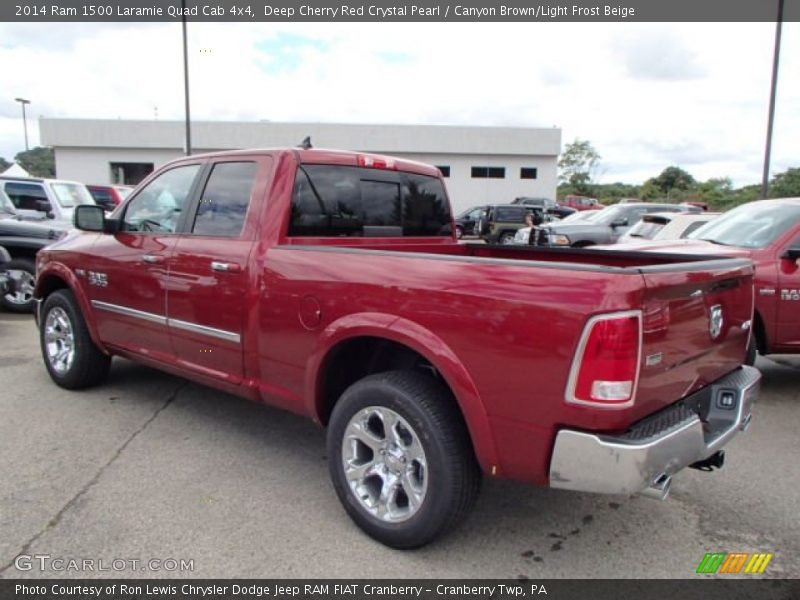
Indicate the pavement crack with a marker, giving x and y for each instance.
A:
(93, 481)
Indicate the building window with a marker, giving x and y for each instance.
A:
(528, 173)
(490, 172)
(129, 173)
(445, 170)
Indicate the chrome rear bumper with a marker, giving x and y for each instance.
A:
(660, 445)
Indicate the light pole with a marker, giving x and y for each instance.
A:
(24, 119)
(186, 79)
(771, 119)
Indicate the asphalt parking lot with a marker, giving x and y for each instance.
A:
(149, 466)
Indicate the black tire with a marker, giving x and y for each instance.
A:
(459, 232)
(451, 471)
(20, 286)
(752, 350)
(89, 365)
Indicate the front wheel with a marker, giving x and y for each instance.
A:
(400, 458)
(71, 357)
(20, 283)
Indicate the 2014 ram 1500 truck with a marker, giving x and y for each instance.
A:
(330, 284)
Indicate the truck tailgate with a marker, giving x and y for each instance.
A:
(696, 324)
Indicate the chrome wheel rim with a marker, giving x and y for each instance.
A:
(22, 285)
(59, 340)
(384, 464)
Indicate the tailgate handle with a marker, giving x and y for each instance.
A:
(224, 267)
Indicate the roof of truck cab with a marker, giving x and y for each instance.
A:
(328, 156)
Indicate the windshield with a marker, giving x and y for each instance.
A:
(582, 216)
(70, 195)
(611, 214)
(647, 229)
(124, 192)
(753, 225)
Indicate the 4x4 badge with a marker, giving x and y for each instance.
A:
(716, 321)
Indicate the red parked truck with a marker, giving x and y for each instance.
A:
(330, 284)
(768, 233)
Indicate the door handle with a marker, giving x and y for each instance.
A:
(152, 258)
(224, 267)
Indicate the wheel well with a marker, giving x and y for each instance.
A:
(49, 285)
(761, 333)
(21, 252)
(356, 358)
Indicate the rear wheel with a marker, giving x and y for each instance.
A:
(507, 237)
(459, 232)
(71, 357)
(400, 458)
(21, 280)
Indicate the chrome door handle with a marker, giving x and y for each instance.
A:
(224, 267)
(152, 258)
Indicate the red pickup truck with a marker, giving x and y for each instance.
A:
(330, 284)
(768, 233)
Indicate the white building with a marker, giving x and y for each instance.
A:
(481, 164)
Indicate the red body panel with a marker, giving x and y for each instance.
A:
(505, 346)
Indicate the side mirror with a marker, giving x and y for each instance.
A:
(623, 222)
(792, 253)
(89, 218)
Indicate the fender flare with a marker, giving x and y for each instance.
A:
(60, 271)
(424, 342)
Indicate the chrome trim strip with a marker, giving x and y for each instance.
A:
(161, 320)
(203, 329)
(130, 312)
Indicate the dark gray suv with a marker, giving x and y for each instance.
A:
(608, 225)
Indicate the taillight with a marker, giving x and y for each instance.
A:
(376, 162)
(605, 371)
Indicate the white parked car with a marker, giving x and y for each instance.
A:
(37, 198)
(665, 226)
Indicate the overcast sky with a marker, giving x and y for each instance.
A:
(646, 95)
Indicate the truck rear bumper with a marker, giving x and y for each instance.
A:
(660, 445)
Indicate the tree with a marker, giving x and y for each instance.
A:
(39, 161)
(4, 164)
(786, 184)
(671, 179)
(577, 164)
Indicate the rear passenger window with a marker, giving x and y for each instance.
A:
(25, 195)
(223, 205)
(353, 201)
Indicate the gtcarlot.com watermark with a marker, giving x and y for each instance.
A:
(59, 564)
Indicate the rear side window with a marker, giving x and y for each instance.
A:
(226, 197)
(353, 201)
(509, 215)
(25, 195)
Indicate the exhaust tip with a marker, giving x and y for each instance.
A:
(659, 489)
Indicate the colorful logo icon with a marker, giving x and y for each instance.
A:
(733, 563)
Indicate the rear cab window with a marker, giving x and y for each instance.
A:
(343, 201)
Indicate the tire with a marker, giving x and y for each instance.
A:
(71, 357)
(427, 450)
(752, 350)
(459, 233)
(507, 238)
(22, 278)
